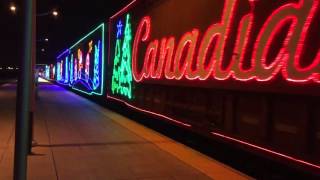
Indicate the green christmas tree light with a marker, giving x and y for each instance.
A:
(115, 87)
(122, 74)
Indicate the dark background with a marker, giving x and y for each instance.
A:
(75, 19)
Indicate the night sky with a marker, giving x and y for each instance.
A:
(76, 18)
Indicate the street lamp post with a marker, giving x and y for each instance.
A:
(32, 77)
(32, 92)
(26, 90)
(23, 95)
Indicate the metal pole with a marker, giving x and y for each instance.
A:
(32, 78)
(23, 101)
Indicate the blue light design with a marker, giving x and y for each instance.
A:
(47, 72)
(96, 69)
(58, 72)
(119, 31)
(71, 70)
(63, 53)
(66, 77)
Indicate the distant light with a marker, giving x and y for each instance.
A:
(55, 13)
(42, 80)
(46, 39)
(43, 50)
(0, 68)
(13, 8)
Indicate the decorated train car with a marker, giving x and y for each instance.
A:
(52, 72)
(81, 66)
(246, 72)
(43, 71)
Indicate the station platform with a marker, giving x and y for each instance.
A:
(78, 139)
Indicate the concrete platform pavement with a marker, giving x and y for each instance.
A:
(78, 139)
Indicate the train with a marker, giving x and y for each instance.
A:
(244, 72)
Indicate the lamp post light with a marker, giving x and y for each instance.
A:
(53, 13)
(43, 40)
(13, 8)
